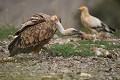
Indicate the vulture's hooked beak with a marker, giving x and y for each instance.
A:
(76, 32)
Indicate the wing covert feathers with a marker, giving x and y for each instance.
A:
(37, 18)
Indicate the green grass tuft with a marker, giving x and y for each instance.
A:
(81, 48)
(4, 32)
(71, 49)
(117, 34)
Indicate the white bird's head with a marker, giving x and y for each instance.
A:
(83, 8)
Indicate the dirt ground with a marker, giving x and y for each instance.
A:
(41, 67)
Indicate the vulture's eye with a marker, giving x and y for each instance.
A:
(74, 31)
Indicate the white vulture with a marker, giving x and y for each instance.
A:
(92, 23)
(36, 32)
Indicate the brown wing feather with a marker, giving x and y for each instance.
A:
(37, 18)
(35, 35)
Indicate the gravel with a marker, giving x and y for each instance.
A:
(37, 67)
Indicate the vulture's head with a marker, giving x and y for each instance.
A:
(71, 31)
(66, 32)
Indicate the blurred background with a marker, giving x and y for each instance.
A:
(14, 12)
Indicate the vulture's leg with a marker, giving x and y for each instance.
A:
(48, 50)
(7, 59)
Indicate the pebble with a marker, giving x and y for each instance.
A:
(85, 75)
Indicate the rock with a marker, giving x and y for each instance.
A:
(113, 55)
(1, 49)
(55, 36)
(7, 59)
(103, 35)
(103, 46)
(100, 52)
(51, 77)
(85, 75)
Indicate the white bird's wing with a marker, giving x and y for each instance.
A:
(98, 25)
(108, 29)
(93, 22)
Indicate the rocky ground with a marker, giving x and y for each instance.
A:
(42, 67)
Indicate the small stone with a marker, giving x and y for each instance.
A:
(103, 46)
(1, 49)
(60, 76)
(110, 78)
(49, 78)
(55, 37)
(85, 75)
(7, 59)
